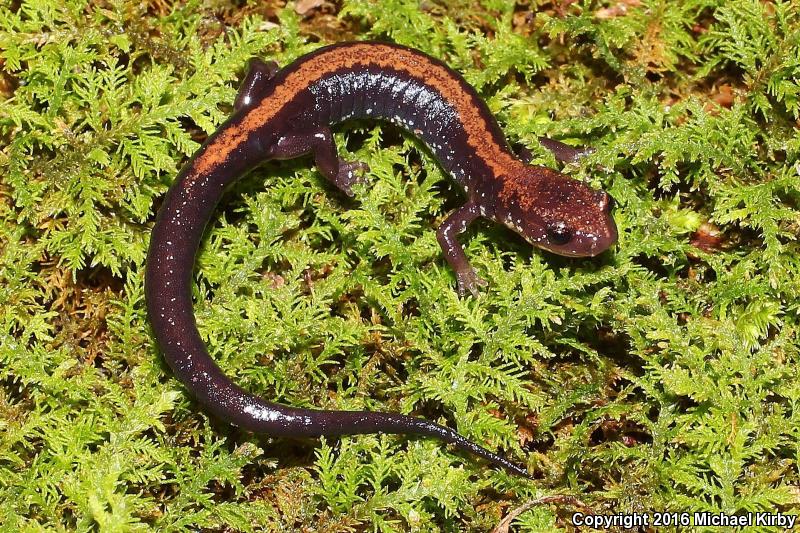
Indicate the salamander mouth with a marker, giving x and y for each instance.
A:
(583, 245)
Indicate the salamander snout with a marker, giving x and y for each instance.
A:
(604, 234)
(604, 201)
(557, 213)
(607, 235)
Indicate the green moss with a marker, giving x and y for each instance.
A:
(661, 376)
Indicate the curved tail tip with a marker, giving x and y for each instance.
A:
(516, 470)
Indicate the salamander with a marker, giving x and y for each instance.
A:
(287, 113)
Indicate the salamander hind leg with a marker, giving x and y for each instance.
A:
(565, 153)
(320, 143)
(447, 235)
(256, 83)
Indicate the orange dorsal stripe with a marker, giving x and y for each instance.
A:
(403, 60)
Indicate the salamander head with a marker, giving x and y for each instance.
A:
(555, 212)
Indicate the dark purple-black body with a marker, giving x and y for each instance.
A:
(281, 114)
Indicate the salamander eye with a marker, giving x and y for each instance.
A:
(559, 234)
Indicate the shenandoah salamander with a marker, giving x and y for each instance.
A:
(282, 114)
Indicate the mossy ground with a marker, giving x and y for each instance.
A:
(660, 376)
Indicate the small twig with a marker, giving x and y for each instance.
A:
(505, 523)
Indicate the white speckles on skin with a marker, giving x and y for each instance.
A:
(259, 413)
(200, 376)
(406, 102)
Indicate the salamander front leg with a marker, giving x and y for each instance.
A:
(256, 83)
(320, 142)
(447, 235)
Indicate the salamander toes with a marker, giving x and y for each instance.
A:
(468, 280)
(350, 173)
